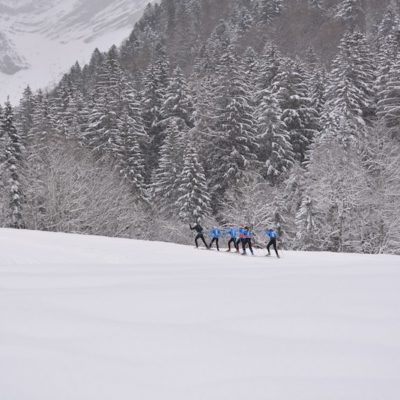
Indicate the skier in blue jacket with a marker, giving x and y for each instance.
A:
(215, 235)
(241, 236)
(233, 238)
(272, 235)
(246, 241)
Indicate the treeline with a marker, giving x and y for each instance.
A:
(199, 115)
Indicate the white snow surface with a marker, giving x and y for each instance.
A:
(96, 318)
(44, 38)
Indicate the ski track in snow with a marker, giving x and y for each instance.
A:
(97, 318)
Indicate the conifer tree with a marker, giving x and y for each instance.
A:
(2, 151)
(164, 187)
(269, 9)
(389, 99)
(25, 112)
(210, 54)
(250, 66)
(129, 155)
(14, 152)
(44, 127)
(177, 104)
(276, 151)
(242, 19)
(389, 24)
(156, 79)
(113, 93)
(232, 138)
(75, 117)
(298, 113)
(351, 12)
(269, 66)
(350, 96)
(387, 53)
(194, 199)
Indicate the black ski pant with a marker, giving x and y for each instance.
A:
(200, 236)
(246, 242)
(272, 242)
(234, 241)
(216, 242)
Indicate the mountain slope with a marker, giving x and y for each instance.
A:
(40, 40)
(97, 318)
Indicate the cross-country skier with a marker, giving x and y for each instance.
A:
(215, 235)
(198, 228)
(233, 238)
(241, 237)
(272, 235)
(247, 240)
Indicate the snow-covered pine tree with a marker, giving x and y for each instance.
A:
(232, 143)
(298, 112)
(3, 184)
(91, 70)
(14, 154)
(275, 152)
(269, 66)
(250, 67)
(112, 93)
(269, 9)
(350, 97)
(194, 199)
(317, 86)
(62, 104)
(186, 32)
(178, 103)
(386, 54)
(242, 19)
(25, 111)
(156, 79)
(389, 99)
(316, 77)
(129, 155)
(43, 129)
(351, 12)
(389, 25)
(210, 53)
(164, 186)
(75, 117)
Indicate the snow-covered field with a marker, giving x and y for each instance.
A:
(91, 318)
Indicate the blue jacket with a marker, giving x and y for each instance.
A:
(216, 233)
(271, 234)
(247, 233)
(233, 233)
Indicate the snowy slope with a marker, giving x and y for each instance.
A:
(95, 318)
(41, 39)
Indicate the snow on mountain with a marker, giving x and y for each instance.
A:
(97, 318)
(41, 39)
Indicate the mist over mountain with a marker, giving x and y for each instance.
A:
(40, 39)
